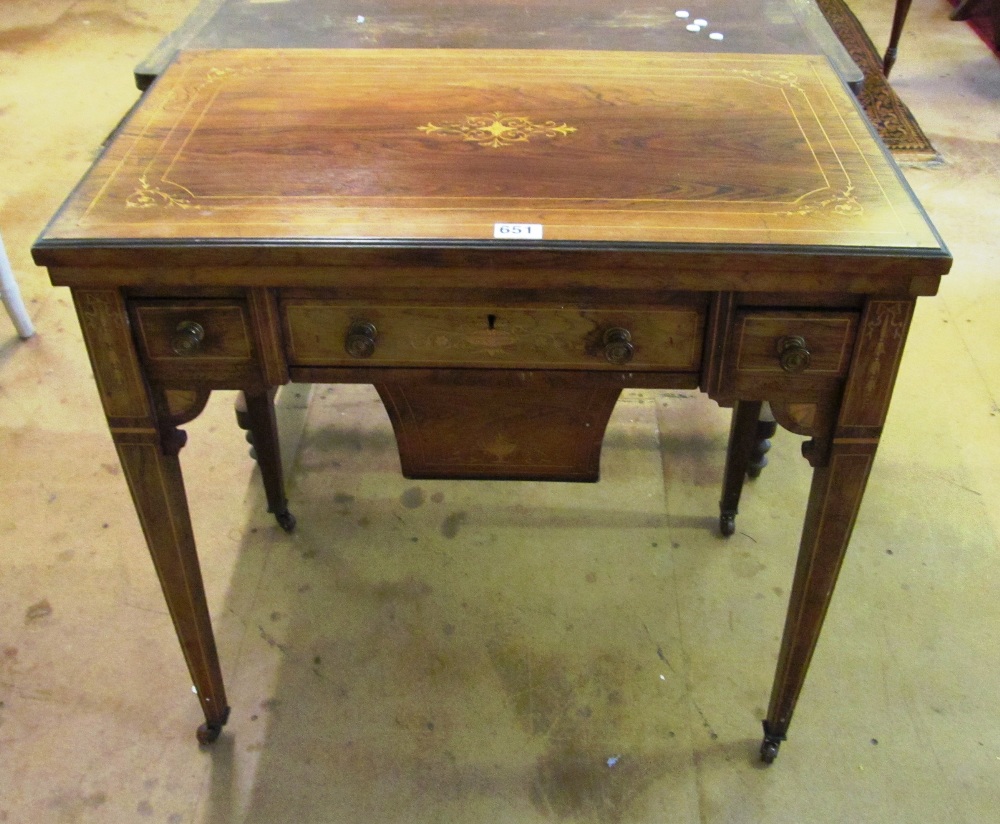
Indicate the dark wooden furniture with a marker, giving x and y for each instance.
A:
(500, 241)
(965, 10)
(898, 21)
(747, 27)
(968, 9)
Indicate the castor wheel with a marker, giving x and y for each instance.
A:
(208, 733)
(286, 520)
(769, 750)
(727, 523)
(770, 744)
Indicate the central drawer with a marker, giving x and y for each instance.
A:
(332, 333)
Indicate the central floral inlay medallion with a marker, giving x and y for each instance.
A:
(497, 130)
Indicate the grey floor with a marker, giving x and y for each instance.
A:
(459, 652)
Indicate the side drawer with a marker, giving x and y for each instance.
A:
(668, 338)
(790, 348)
(194, 341)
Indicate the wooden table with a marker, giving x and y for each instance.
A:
(747, 27)
(500, 241)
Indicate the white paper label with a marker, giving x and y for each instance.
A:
(518, 231)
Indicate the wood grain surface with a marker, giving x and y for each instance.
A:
(746, 26)
(667, 339)
(408, 146)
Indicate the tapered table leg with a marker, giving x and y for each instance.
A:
(148, 443)
(154, 479)
(898, 21)
(742, 442)
(834, 500)
(263, 426)
(842, 460)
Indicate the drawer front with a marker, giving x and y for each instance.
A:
(791, 347)
(205, 340)
(668, 338)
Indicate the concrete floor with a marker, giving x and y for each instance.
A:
(459, 652)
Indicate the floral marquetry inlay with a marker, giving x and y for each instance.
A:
(497, 130)
(147, 195)
(841, 202)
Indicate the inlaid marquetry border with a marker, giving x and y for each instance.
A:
(835, 192)
(878, 352)
(104, 323)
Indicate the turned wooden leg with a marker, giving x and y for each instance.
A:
(766, 427)
(153, 473)
(143, 426)
(834, 500)
(742, 442)
(243, 420)
(263, 426)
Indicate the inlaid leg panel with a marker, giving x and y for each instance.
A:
(157, 487)
(148, 444)
(834, 501)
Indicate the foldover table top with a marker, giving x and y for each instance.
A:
(330, 150)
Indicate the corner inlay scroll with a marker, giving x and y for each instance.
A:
(775, 79)
(841, 202)
(146, 196)
(497, 130)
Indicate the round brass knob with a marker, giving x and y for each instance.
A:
(618, 346)
(360, 341)
(793, 353)
(188, 337)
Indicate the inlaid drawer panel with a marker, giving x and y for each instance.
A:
(209, 340)
(321, 333)
(794, 342)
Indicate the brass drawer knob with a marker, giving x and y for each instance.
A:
(187, 337)
(360, 341)
(618, 346)
(793, 353)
